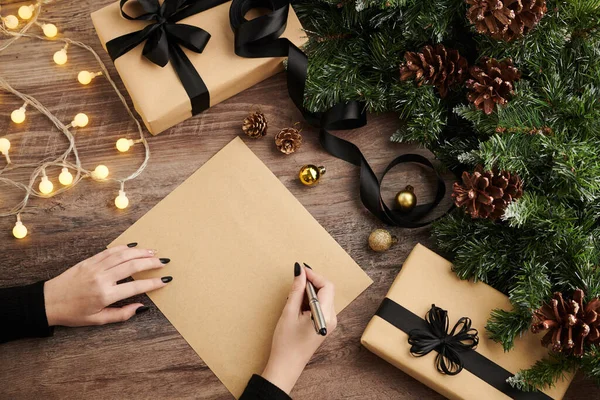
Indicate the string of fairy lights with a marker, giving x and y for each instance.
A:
(14, 28)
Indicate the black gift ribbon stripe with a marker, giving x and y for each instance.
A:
(477, 364)
(260, 37)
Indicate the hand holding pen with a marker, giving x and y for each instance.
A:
(295, 338)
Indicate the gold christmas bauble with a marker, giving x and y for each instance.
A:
(406, 199)
(310, 174)
(381, 240)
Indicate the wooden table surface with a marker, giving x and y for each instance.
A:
(146, 357)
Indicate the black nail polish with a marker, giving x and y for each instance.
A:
(141, 309)
(165, 260)
(307, 266)
(296, 269)
(132, 244)
(166, 279)
(323, 332)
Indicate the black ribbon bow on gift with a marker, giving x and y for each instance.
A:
(448, 345)
(164, 38)
(458, 346)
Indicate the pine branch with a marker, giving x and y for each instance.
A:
(450, 151)
(466, 242)
(521, 154)
(544, 373)
(543, 213)
(590, 363)
(423, 114)
(360, 5)
(532, 286)
(586, 276)
(433, 20)
(504, 326)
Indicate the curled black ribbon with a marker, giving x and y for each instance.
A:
(260, 37)
(164, 38)
(447, 345)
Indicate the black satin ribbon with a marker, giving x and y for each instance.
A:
(260, 37)
(448, 345)
(164, 38)
(472, 361)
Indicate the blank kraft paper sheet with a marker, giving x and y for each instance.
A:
(233, 238)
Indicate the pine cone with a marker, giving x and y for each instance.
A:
(437, 66)
(491, 83)
(570, 324)
(505, 19)
(486, 194)
(288, 140)
(255, 125)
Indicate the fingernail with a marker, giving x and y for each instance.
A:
(165, 260)
(132, 244)
(323, 332)
(296, 269)
(166, 279)
(307, 266)
(141, 309)
(152, 252)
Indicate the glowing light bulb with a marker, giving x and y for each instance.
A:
(101, 172)
(19, 230)
(50, 30)
(4, 145)
(11, 22)
(121, 201)
(60, 57)
(124, 145)
(18, 116)
(85, 77)
(80, 120)
(46, 186)
(65, 178)
(26, 12)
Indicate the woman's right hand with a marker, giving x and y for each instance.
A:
(81, 295)
(295, 339)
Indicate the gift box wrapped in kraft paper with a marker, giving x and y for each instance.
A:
(176, 58)
(427, 279)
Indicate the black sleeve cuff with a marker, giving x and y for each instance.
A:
(261, 389)
(23, 312)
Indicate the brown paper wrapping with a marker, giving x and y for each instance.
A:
(426, 279)
(233, 233)
(157, 93)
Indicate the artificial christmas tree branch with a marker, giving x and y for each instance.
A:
(544, 373)
(544, 127)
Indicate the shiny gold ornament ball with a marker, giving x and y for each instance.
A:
(381, 240)
(406, 199)
(310, 174)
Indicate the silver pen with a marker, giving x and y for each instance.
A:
(315, 308)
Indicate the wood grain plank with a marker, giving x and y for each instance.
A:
(146, 357)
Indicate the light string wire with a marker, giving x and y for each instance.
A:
(62, 160)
